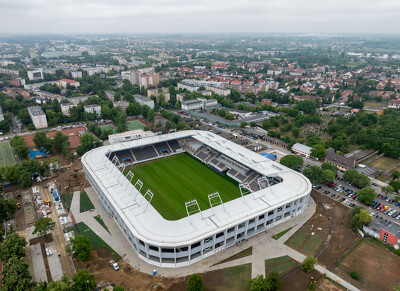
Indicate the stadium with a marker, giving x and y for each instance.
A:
(183, 196)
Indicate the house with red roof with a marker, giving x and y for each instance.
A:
(64, 82)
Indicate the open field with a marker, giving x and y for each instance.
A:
(379, 268)
(180, 178)
(6, 154)
(280, 264)
(384, 163)
(106, 127)
(133, 125)
(311, 236)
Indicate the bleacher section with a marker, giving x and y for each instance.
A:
(174, 145)
(125, 156)
(232, 172)
(145, 153)
(161, 148)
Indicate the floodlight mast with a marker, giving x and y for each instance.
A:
(192, 207)
(215, 200)
(138, 186)
(129, 178)
(148, 196)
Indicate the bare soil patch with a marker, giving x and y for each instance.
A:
(300, 280)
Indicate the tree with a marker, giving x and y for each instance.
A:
(87, 142)
(258, 283)
(195, 283)
(14, 246)
(314, 174)
(329, 166)
(62, 285)
(43, 225)
(318, 151)
(273, 281)
(292, 161)
(42, 141)
(118, 288)
(80, 246)
(60, 141)
(20, 148)
(395, 184)
(7, 208)
(360, 217)
(367, 195)
(387, 189)
(328, 176)
(308, 264)
(83, 280)
(16, 275)
(25, 179)
(395, 174)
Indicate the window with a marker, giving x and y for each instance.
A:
(279, 209)
(385, 236)
(195, 245)
(153, 248)
(261, 217)
(220, 234)
(270, 213)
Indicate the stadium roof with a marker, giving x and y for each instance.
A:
(148, 225)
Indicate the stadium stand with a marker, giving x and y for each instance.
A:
(144, 153)
(174, 145)
(161, 147)
(125, 156)
(232, 172)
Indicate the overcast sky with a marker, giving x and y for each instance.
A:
(199, 16)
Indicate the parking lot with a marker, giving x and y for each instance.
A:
(383, 207)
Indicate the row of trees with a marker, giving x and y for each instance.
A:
(318, 175)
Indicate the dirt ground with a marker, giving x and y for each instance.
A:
(127, 276)
(327, 285)
(342, 235)
(379, 271)
(300, 280)
(385, 163)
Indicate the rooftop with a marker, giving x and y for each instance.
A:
(150, 226)
(36, 111)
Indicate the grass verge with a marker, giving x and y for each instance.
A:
(85, 203)
(99, 220)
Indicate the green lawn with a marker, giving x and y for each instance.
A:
(279, 235)
(6, 154)
(280, 264)
(305, 243)
(108, 126)
(95, 240)
(85, 203)
(180, 178)
(68, 199)
(99, 220)
(242, 254)
(233, 279)
(133, 125)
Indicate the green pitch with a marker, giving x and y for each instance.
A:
(180, 178)
(133, 125)
(6, 154)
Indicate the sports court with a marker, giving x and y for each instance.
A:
(134, 125)
(177, 179)
(6, 154)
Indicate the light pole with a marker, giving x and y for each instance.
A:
(87, 284)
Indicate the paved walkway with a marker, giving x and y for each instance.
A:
(264, 246)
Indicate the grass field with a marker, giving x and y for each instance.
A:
(280, 264)
(133, 125)
(374, 105)
(384, 163)
(68, 199)
(305, 243)
(282, 233)
(233, 279)
(242, 254)
(108, 126)
(85, 203)
(180, 178)
(95, 240)
(6, 154)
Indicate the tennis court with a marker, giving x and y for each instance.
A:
(133, 125)
(6, 154)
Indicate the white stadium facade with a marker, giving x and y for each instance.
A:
(271, 194)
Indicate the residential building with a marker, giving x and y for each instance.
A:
(121, 104)
(219, 91)
(76, 74)
(38, 117)
(208, 103)
(142, 77)
(191, 104)
(301, 149)
(94, 109)
(47, 95)
(9, 72)
(394, 103)
(66, 107)
(142, 100)
(252, 132)
(110, 95)
(64, 82)
(157, 92)
(14, 92)
(35, 75)
(190, 88)
(343, 163)
(17, 82)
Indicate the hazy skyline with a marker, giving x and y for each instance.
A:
(199, 16)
